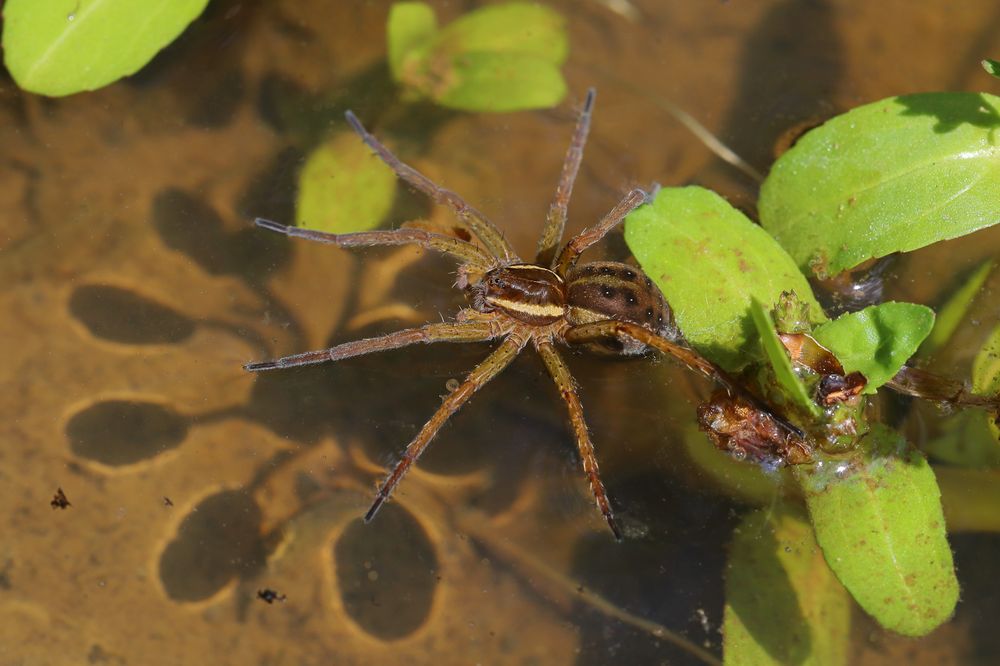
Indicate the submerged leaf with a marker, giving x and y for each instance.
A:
(992, 67)
(343, 187)
(501, 82)
(951, 314)
(411, 25)
(986, 375)
(966, 439)
(880, 524)
(498, 58)
(891, 176)
(986, 366)
(782, 364)
(878, 340)
(710, 261)
(514, 27)
(61, 47)
(783, 604)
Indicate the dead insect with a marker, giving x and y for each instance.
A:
(743, 430)
(605, 306)
(270, 596)
(59, 500)
(835, 385)
(167, 501)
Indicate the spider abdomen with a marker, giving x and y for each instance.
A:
(603, 290)
(528, 293)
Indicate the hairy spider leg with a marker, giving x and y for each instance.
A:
(612, 328)
(487, 232)
(576, 245)
(468, 331)
(567, 389)
(480, 375)
(555, 221)
(469, 253)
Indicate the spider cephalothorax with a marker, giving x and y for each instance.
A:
(605, 306)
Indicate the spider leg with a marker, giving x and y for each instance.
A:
(690, 358)
(555, 221)
(480, 375)
(567, 389)
(474, 219)
(467, 252)
(464, 331)
(576, 245)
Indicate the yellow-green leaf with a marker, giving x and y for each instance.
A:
(515, 27)
(881, 527)
(61, 47)
(780, 362)
(891, 176)
(411, 26)
(343, 187)
(783, 604)
(878, 340)
(951, 314)
(710, 261)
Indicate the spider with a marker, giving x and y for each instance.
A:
(604, 306)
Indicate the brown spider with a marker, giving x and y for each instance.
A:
(605, 306)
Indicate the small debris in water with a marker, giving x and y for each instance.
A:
(270, 596)
(59, 500)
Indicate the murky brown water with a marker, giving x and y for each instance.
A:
(135, 287)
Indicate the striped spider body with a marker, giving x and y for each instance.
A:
(604, 306)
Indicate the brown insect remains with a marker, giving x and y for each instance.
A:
(605, 306)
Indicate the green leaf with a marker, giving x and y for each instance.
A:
(343, 187)
(951, 314)
(880, 524)
(986, 375)
(61, 47)
(966, 439)
(891, 176)
(992, 67)
(410, 26)
(710, 261)
(498, 58)
(878, 340)
(515, 27)
(986, 366)
(782, 364)
(501, 82)
(783, 604)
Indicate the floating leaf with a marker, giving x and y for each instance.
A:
(952, 313)
(891, 176)
(710, 261)
(61, 47)
(878, 340)
(343, 187)
(880, 524)
(411, 25)
(498, 58)
(783, 604)
(992, 67)
(782, 364)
